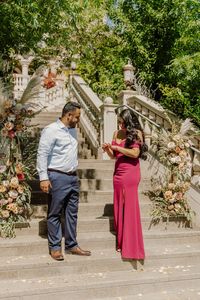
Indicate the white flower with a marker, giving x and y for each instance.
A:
(187, 145)
(175, 160)
(177, 137)
(11, 118)
(13, 194)
(5, 183)
(27, 122)
(171, 145)
(2, 168)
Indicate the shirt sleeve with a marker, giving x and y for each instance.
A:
(46, 144)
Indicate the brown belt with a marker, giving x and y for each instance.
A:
(74, 173)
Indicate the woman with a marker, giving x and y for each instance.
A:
(127, 147)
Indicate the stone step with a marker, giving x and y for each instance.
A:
(98, 196)
(93, 185)
(92, 224)
(42, 265)
(90, 209)
(182, 292)
(95, 174)
(62, 284)
(157, 243)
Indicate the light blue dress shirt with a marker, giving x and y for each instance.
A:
(58, 149)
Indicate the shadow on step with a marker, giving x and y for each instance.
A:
(108, 214)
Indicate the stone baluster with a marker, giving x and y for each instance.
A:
(147, 132)
(196, 163)
(159, 120)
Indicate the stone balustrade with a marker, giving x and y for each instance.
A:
(20, 83)
(152, 115)
(98, 120)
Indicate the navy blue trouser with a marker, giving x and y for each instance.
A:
(64, 196)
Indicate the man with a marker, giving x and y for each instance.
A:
(56, 164)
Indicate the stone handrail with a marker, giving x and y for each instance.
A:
(91, 112)
(152, 115)
(98, 119)
(90, 98)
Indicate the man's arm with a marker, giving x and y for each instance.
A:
(46, 143)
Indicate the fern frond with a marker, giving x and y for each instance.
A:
(33, 87)
(185, 126)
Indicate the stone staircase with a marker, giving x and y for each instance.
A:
(171, 269)
(47, 117)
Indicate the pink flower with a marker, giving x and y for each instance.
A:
(179, 196)
(11, 134)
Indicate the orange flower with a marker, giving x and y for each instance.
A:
(2, 189)
(183, 153)
(19, 168)
(170, 207)
(168, 194)
(20, 189)
(7, 104)
(177, 150)
(19, 127)
(9, 126)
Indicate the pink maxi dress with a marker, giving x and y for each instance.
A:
(127, 220)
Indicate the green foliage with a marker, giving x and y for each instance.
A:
(163, 40)
(160, 37)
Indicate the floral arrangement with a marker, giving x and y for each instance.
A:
(49, 80)
(15, 193)
(169, 193)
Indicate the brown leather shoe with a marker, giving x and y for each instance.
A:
(56, 254)
(78, 251)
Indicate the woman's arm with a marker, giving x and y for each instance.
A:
(107, 148)
(134, 152)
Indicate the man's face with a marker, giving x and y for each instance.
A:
(73, 117)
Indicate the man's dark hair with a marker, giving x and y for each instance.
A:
(70, 106)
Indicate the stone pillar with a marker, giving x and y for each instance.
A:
(25, 62)
(125, 95)
(109, 122)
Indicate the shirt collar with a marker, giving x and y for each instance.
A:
(61, 124)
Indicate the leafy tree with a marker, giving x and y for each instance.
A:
(162, 39)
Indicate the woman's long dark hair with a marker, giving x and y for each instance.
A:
(132, 125)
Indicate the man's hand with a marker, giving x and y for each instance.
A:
(45, 185)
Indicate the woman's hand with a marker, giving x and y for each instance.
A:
(106, 147)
